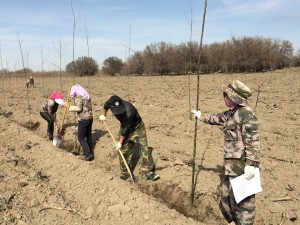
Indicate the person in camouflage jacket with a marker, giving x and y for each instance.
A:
(132, 133)
(241, 150)
(83, 108)
(48, 111)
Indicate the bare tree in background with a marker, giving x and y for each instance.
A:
(3, 86)
(75, 21)
(112, 65)
(88, 51)
(129, 54)
(60, 53)
(135, 63)
(43, 62)
(27, 89)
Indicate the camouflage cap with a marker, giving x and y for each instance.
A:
(238, 92)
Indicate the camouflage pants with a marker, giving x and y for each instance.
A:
(137, 137)
(242, 213)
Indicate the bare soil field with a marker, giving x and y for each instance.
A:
(41, 184)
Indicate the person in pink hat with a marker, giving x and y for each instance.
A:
(48, 111)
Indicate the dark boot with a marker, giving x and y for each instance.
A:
(50, 136)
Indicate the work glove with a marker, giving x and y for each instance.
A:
(74, 108)
(249, 172)
(118, 146)
(102, 117)
(196, 114)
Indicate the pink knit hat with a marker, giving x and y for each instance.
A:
(56, 95)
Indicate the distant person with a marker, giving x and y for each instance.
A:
(83, 107)
(132, 132)
(48, 111)
(30, 82)
(241, 150)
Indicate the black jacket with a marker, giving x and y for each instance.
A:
(129, 119)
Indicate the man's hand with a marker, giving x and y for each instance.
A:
(102, 117)
(118, 146)
(249, 172)
(196, 114)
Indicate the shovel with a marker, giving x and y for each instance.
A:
(121, 154)
(58, 138)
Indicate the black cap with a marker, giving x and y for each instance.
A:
(116, 105)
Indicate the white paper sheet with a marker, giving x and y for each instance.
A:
(243, 188)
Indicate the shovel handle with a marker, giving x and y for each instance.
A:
(121, 154)
(65, 113)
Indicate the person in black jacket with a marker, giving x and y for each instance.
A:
(132, 132)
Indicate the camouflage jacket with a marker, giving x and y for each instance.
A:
(241, 139)
(50, 106)
(83, 107)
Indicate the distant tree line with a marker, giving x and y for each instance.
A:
(246, 54)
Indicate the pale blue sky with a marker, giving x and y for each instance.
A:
(111, 24)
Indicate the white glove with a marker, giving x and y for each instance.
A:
(74, 108)
(102, 117)
(196, 114)
(118, 146)
(249, 172)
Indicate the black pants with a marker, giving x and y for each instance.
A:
(50, 121)
(85, 136)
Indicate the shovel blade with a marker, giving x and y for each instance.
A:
(57, 140)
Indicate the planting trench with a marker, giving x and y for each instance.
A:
(165, 191)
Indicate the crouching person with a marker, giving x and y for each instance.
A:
(48, 111)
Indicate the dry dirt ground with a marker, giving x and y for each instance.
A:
(41, 184)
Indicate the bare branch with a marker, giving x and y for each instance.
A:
(128, 47)
(3, 86)
(259, 91)
(27, 91)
